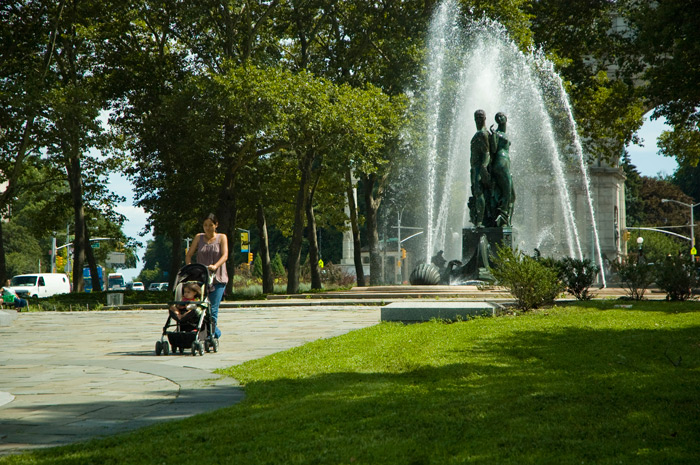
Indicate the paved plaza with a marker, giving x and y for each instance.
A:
(68, 377)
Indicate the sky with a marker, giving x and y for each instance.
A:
(645, 158)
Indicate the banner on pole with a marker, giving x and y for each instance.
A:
(244, 242)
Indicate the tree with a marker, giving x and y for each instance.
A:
(658, 213)
(590, 53)
(688, 179)
(28, 34)
(666, 37)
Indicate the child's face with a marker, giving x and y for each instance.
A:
(189, 294)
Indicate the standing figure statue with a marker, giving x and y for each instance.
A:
(480, 177)
(502, 193)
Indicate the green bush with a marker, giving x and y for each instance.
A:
(578, 276)
(257, 267)
(278, 267)
(677, 276)
(635, 275)
(532, 283)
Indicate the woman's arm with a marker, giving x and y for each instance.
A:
(190, 251)
(224, 252)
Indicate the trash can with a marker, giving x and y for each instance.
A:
(115, 298)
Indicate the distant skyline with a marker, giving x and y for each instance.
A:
(646, 159)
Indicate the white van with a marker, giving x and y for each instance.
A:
(40, 284)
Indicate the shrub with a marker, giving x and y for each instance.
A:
(578, 276)
(277, 266)
(257, 270)
(334, 274)
(635, 275)
(677, 276)
(532, 283)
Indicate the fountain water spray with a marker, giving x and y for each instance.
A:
(477, 66)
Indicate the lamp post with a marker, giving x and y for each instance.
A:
(692, 218)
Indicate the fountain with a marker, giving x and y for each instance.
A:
(477, 66)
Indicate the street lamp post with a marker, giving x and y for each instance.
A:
(692, 218)
(640, 243)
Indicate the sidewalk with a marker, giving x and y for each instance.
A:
(68, 377)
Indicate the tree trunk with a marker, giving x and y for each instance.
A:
(76, 190)
(371, 207)
(268, 280)
(3, 266)
(175, 235)
(314, 255)
(89, 254)
(356, 244)
(227, 213)
(313, 246)
(293, 261)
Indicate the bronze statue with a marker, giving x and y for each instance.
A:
(502, 192)
(480, 177)
(493, 196)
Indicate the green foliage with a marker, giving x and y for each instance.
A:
(634, 204)
(666, 35)
(636, 275)
(677, 275)
(687, 177)
(277, 266)
(656, 246)
(532, 283)
(578, 275)
(22, 250)
(257, 270)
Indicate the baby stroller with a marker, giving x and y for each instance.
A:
(195, 328)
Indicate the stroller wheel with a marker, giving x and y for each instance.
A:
(159, 347)
(182, 350)
(215, 345)
(194, 348)
(200, 347)
(207, 346)
(166, 348)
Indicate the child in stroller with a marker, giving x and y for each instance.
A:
(191, 292)
(189, 323)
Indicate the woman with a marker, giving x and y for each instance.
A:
(212, 251)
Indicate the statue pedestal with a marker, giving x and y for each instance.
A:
(471, 238)
(478, 246)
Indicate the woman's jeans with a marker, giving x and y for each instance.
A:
(215, 296)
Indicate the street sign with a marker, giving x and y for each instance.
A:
(95, 245)
(117, 258)
(244, 242)
(693, 251)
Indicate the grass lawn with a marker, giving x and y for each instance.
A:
(576, 384)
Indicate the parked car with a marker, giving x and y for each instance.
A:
(137, 286)
(158, 287)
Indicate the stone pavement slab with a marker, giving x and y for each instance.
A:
(73, 376)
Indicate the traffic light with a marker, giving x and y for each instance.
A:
(626, 235)
(59, 261)
(403, 252)
(250, 257)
